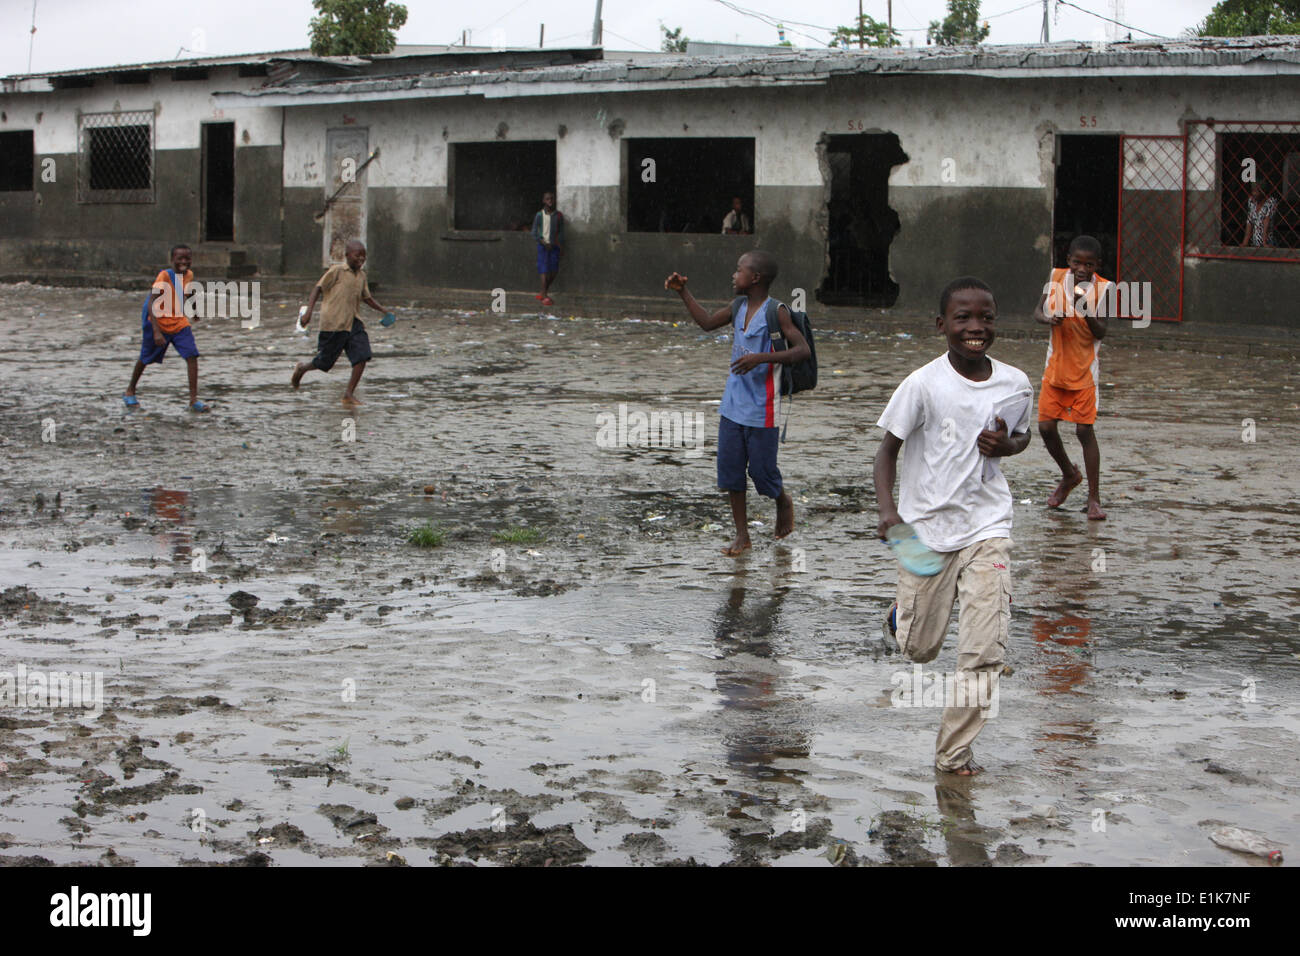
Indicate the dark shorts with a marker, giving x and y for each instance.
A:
(740, 446)
(329, 345)
(548, 260)
(183, 340)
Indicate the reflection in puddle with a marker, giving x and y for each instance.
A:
(174, 508)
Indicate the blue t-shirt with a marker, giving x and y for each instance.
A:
(752, 399)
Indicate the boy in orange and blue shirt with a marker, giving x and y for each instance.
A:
(163, 323)
(1075, 303)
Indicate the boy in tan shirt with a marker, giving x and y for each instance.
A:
(344, 287)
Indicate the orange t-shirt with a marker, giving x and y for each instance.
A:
(167, 311)
(1072, 349)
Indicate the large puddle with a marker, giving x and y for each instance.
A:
(576, 674)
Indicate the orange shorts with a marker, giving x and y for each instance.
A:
(1062, 404)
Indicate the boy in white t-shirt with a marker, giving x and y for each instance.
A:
(950, 418)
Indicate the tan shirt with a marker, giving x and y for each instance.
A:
(343, 292)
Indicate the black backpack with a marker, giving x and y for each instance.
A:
(800, 376)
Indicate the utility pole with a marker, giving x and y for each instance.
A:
(31, 41)
(541, 37)
(889, 18)
(861, 44)
(1044, 35)
(597, 30)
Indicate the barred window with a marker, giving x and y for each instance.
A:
(115, 157)
(1243, 190)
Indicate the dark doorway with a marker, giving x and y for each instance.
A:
(218, 188)
(1087, 196)
(860, 224)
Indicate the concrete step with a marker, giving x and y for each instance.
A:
(222, 260)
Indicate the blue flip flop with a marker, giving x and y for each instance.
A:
(388, 319)
(130, 401)
(199, 406)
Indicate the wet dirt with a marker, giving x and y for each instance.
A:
(287, 680)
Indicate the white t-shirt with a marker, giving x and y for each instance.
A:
(948, 491)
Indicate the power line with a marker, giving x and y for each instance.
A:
(993, 16)
(502, 17)
(772, 21)
(1109, 20)
(633, 42)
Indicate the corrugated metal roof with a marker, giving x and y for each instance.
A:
(403, 51)
(1255, 55)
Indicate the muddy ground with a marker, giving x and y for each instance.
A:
(287, 680)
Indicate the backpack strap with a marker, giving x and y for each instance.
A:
(773, 316)
(735, 308)
(779, 344)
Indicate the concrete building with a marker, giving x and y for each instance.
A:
(873, 176)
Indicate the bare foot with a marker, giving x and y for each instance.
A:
(969, 769)
(351, 400)
(737, 547)
(784, 514)
(1094, 510)
(1057, 497)
(298, 371)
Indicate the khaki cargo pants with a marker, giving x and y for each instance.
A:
(979, 576)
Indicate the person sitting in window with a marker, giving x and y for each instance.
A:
(1260, 213)
(736, 222)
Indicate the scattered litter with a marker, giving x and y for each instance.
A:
(1026, 501)
(276, 539)
(1246, 841)
(656, 518)
(838, 371)
(533, 553)
(265, 840)
(904, 335)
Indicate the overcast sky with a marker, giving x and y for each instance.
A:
(82, 33)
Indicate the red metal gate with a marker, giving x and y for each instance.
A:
(1150, 247)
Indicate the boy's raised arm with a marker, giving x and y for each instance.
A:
(885, 471)
(677, 283)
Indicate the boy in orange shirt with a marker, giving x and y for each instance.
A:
(1075, 303)
(163, 323)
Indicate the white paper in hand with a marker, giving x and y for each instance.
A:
(1011, 410)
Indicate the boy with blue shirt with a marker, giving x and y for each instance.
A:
(751, 403)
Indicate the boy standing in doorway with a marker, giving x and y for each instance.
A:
(548, 230)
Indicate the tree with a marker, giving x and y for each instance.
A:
(960, 27)
(674, 42)
(866, 32)
(1248, 18)
(355, 27)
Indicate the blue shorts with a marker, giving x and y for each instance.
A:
(548, 260)
(183, 340)
(742, 445)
